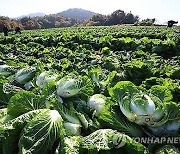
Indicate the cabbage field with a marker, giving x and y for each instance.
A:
(90, 90)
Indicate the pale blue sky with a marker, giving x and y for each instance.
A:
(162, 10)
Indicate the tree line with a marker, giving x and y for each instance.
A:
(53, 21)
(28, 23)
(116, 18)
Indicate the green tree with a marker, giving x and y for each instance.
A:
(129, 19)
(115, 18)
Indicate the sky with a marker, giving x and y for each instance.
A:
(162, 10)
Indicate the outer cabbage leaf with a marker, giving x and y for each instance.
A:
(137, 69)
(11, 89)
(70, 145)
(12, 129)
(172, 111)
(161, 92)
(121, 89)
(23, 102)
(4, 117)
(174, 73)
(112, 117)
(49, 92)
(40, 134)
(49, 89)
(171, 85)
(71, 122)
(4, 99)
(95, 74)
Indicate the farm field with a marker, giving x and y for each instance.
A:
(90, 90)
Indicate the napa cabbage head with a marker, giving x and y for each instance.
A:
(96, 102)
(139, 107)
(168, 149)
(72, 85)
(169, 128)
(7, 70)
(26, 74)
(68, 87)
(45, 77)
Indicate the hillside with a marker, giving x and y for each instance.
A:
(29, 23)
(78, 14)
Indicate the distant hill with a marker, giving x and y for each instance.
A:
(78, 14)
(37, 14)
(70, 17)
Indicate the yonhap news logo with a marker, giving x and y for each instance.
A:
(157, 140)
(121, 140)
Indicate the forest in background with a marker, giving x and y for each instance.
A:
(57, 20)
